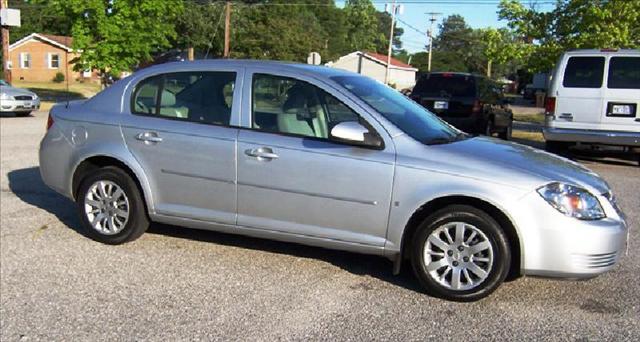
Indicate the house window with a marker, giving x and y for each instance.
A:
(54, 61)
(9, 65)
(25, 60)
(86, 73)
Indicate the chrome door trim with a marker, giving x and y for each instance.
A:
(312, 194)
(192, 175)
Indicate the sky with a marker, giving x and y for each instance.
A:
(480, 14)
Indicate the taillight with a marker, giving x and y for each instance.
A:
(49, 121)
(550, 106)
(477, 106)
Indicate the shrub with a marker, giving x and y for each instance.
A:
(58, 78)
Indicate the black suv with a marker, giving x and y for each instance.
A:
(472, 103)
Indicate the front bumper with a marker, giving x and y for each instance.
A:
(19, 105)
(618, 138)
(555, 245)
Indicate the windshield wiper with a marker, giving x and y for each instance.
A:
(446, 140)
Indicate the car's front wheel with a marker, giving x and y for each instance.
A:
(460, 253)
(111, 207)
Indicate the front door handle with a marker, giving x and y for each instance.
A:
(262, 153)
(149, 137)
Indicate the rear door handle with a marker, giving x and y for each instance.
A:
(149, 137)
(262, 153)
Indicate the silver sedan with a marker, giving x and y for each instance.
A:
(325, 157)
(17, 100)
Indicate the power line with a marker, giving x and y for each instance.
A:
(410, 26)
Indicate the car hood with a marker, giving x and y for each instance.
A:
(12, 91)
(509, 163)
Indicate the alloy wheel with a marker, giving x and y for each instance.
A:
(458, 256)
(107, 207)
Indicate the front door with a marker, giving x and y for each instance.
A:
(179, 132)
(293, 178)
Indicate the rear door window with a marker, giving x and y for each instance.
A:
(446, 85)
(203, 97)
(584, 72)
(624, 73)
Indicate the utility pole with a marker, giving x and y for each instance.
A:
(430, 34)
(227, 29)
(5, 45)
(393, 19)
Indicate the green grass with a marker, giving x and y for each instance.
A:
(533, 118)
(534, 139)
(51, 93)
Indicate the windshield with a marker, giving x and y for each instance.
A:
(407, 115)
(446, 85)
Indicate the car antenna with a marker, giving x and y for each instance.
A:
(66, 77)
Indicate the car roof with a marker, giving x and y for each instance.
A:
(317, 70)
(631, 52)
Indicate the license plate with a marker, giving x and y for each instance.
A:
(27, 105)
(621, 110)
(440, 105)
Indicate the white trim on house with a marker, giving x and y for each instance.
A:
(33, 36)
(24, 57)
(371, 58)
(50, 60)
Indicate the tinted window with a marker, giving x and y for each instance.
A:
(624, 73)
(445, 85)
(407, 115)
(204, 97)
(584, 72)
(287, 105)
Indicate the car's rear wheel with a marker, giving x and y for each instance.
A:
(111, 207)
(460, 253)
(488, 128)
(507, 132)
(557, 147)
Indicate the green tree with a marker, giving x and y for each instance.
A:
(276, 32)
(455, 48)
(575, 24)
(201, 26)
(362, 25)
(116, 35)
(38, 16)
(504, 48)
(384, 27)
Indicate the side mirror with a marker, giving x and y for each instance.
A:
(354, 133)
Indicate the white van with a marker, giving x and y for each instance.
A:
(594, 98)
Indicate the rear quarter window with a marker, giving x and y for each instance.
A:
(624, 73)
(583, 72)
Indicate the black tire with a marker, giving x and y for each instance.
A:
(496, 273)
(138, 221)
(557, 147)
(22, 114)
(488, 128)
(507, 132)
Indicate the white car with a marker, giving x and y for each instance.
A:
(17, 100)
(593, 98)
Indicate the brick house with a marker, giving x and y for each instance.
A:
(39, 57)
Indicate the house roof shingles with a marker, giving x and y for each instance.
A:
(62, 40)
(383, 59)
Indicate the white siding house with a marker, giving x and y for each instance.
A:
(373, 65)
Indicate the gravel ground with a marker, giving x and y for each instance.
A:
(182, 284)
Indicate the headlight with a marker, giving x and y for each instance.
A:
(4, 96)
(572, 201)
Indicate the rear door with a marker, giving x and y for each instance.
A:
(621, 105)
(180, 132)
(580, 93)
